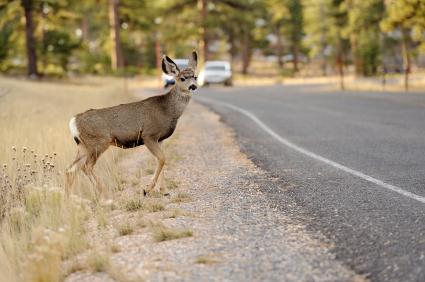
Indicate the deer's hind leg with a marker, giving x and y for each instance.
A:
(155, 149)
(72, 169)
(162, 184)
(88, 167)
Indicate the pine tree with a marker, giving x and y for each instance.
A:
(32, 70)
(115, 26)
(407, 16)
(364, 34)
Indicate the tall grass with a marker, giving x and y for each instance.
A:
(39, 226)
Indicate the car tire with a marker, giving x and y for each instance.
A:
(228, 83)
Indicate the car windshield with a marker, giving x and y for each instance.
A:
(215, 68)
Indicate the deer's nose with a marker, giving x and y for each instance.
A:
(193, 87)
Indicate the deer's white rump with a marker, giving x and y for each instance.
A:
(73, 128)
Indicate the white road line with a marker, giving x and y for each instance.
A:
(316, 156)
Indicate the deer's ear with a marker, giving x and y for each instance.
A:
(169, 67)
(193, 60)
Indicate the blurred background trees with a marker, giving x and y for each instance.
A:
(261, 37)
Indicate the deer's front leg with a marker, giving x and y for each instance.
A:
(154, 147)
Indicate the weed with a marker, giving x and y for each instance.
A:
(133, 204)
(115, 248)
(206, 259)
(125, 229)
(142, 223)
(181, 197)
(102, 219)
(164, 233)
(171, 184)
(174, 213)
(153, 205)
(97, 262)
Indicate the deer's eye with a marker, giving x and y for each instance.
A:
(195, 77)
(182, 79)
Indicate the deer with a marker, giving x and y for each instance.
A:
(147, 122)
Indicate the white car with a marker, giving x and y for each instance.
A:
(217, 72)
(168, 79)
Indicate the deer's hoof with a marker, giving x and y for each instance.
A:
(144, 192)
(166, 194)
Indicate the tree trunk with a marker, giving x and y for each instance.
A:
(358, 64)
(44, 52)
(203, 43)
(232, 50)
(246, 53)
(114, 28)
(406, 59)
(279, 47)
(85, 30)
(340, 63)
(295, 54)
(30, 40)
(158, 59)
(323, 42)
(323, 59)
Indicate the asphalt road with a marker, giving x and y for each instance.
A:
(374, 230)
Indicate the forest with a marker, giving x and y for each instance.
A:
(320, 37)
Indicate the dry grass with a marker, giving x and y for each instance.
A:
(153, 205)
(39, 226)
(181, 197)
(125, 228)
(132, 204)
(149, 170)
(142, 223)
(115, 248)
(171, 184)
(206, 259)
(74, 266)
(102, 218)
(98, 262)
(174, 213)
(163, 233)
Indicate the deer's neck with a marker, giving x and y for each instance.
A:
(178, 100)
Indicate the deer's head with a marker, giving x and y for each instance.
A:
(185, 78)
